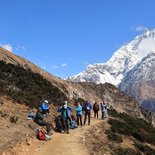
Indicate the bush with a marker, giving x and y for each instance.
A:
(3, 114)
(112, 113)
(14, 119)
(114, 137)
(135, 127)
(27, 87)
(144, 148)
(127, 151)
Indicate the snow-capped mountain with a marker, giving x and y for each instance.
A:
(139, 82)
(123, 60)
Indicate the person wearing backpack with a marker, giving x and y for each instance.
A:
(65, 116)
(40, 114)
(88, 108)
(104, 109)
(96, 109)
(79, 113)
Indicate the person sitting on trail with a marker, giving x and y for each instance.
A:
(65, 116)
(104, 109)
(96, 109)
(79, 113)
(40, 114)
(44, 106)
(73, 124)
(88, 108)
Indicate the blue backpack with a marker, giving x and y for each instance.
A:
(72, 125)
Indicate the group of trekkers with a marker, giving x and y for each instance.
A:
(65, 120)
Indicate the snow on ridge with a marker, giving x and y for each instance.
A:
(122, 61)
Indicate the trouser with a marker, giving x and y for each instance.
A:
(95, 114)
(104, 114)
(43, 123)
(65, 124)
(87, 114)
(79, 119)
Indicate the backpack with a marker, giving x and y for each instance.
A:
(73, 125)
(96, 107)
(58, 123)
(40, 134)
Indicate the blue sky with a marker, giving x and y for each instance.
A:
(64, 36)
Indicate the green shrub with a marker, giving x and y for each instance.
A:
(127, 151)
(135, 127)
(114, 137)
(14, 119)
(112, 113)
(144, 148)
(27, 87)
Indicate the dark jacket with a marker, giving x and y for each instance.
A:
(40, 114)
(88, 107)
(96, 107)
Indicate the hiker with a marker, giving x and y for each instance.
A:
(104, 109)
(79, 113)
(88, 108)
(65, 116)
(73, 124)
(96, 109)
(40, 114)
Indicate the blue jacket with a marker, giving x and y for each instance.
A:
(65, 113)
(44, 106)
(88, 107)
(79, 110)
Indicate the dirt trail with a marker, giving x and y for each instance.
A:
(65, 144)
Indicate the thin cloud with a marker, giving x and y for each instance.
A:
(8, 47)
(139, 28)
(19, 48)
(63, 65)
(55, 67)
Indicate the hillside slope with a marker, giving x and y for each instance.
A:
(121, 134)
(24, 87)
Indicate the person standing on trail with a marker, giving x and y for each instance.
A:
(96, 109)
(87, 108)
(65, 116)
(79, 113)
(40, 114)
(104, 109)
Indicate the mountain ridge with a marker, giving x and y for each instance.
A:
(122, 61)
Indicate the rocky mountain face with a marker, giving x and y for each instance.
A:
(140, 82)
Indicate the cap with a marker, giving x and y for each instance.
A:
(65, 102)
(46, 101)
